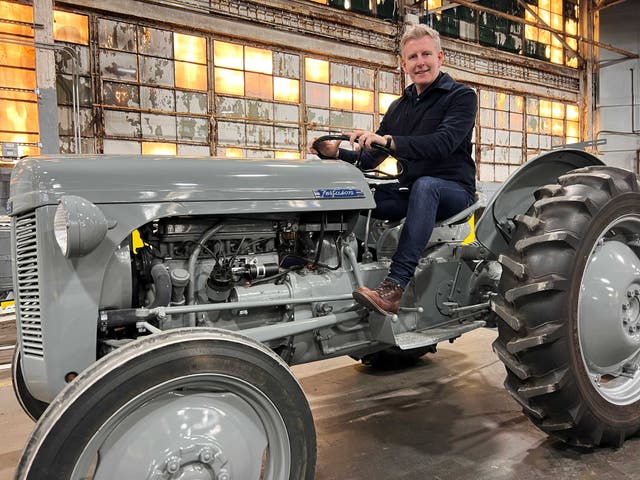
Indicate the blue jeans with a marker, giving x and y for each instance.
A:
(429, 200)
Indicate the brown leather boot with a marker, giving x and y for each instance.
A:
(385, 298)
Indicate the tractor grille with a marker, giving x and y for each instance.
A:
(28, 285)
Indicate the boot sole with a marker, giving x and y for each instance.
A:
(368, 303)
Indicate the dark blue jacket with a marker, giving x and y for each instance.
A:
(431, 131)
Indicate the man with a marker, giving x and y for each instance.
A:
(430, 127)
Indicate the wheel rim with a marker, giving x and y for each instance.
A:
(609, 312)
(194, 427)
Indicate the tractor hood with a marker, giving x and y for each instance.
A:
(109, 179)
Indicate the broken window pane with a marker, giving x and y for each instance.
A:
(259, 135)
(158, 43)
(286, 65)
(64, 89)
(193, 129)
(341, 74)
(121, 147)
(118, 66)
(231, 133)
(119, 94)
(230, 107)
(158, 71)
(158, 126)
(122, 124)
(157, 99)
(363, 78)
(191, 102)
(284, 112)
(258, 109)
(117, 35)
(286, 137)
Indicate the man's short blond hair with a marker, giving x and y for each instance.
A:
(416, 32)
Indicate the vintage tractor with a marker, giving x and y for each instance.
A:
(160, 302)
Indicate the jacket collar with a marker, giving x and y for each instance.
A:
(443, 82)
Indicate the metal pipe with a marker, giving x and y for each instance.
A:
(351, 256)
(287, 329)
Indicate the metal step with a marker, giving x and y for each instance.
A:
(409, 340)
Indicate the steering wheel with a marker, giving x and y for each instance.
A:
(374, 174)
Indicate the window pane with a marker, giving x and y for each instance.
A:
(258, 60)
(119, 94)
(158, 126)
(545, 108)
(258, 85)
(193, 129)
(228, 55)
(157, 99)
(153, 148)
(158, 71)
(386, 99)
(286, 90)
(573, 113)
(158, 43)
(118, 66)
(229, 81)
(17, 12)
(17, 78)
(191, 76)
(191, 102)
(363, 100)
(18, 116)
(317, 94)
(12, 55)
(190, 48)
(70, 27)
(558, 110)
(316, 70)
(341, 97)
(117, 35)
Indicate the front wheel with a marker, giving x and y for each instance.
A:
(569, 302)
(33, 407)
(189, 403)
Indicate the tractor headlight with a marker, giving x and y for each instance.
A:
(79, 226)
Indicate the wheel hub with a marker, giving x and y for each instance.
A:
(609, 313)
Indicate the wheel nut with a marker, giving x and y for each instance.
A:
(173, 465)
(206, 456)
(629, 294)
(625, 306)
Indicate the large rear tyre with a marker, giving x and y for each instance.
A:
(569, 302)
(183, 404)
(31, 406)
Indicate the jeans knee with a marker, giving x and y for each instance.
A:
(426, 187)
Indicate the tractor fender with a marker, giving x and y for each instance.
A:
(515, 196)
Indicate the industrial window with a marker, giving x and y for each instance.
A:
(73, 82)
(154, 90)
(545, 43)
(257, 95)
(18, 101)
(512, 128)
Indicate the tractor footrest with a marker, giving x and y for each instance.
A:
(409, 340)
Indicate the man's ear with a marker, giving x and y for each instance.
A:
(403, 65)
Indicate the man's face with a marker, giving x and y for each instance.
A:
(422, 61)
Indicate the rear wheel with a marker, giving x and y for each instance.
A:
(569, 302)
(189, 403)
(31, 406)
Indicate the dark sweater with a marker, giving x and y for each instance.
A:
(432, 132)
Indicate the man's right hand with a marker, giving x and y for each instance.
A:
(326, 149)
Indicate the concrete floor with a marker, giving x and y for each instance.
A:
(447, 418)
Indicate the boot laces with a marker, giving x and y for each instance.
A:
(387, 289)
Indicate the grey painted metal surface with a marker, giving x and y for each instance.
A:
(289, 185)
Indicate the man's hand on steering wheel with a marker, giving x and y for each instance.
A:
(370, 140)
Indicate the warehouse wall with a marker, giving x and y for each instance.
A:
(618, 104)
